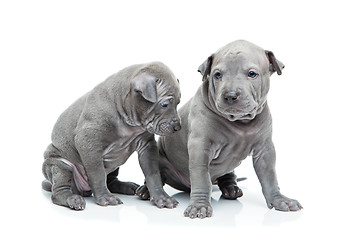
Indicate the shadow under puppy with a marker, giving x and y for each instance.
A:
(227, 120)
(99, 132)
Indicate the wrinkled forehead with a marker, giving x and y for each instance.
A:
(166, 89)
(167, 84)
(241, 58)
(160, 71)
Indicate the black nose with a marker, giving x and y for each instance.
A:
(231, 97)
(175, 124)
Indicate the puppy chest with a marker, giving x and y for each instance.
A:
(225, 163)
(118, 152)
(231, 155)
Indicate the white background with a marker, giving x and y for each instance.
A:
(52, 52)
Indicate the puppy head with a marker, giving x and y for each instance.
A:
(157, 94)
(239, 79)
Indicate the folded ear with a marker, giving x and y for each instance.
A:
(275, 65)
(145, 85)
(205, 68)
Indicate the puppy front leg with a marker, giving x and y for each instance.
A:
(264, 164)
(199, 160)
(149, 163)
(90, 147)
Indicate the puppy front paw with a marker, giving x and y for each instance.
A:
(107, 199)
(282, 203)
(199, 210)
(76, 202)
(164, 200)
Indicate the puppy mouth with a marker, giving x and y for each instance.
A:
(248, 116)
(240, 115)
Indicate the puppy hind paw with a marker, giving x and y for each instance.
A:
(127, 188)
(231, 192)
(143, 192)
(228, 186)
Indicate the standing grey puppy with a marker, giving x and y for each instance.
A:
(227, 120)
(99, 132)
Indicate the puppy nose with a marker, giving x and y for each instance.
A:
(175, 124)
(231, 97)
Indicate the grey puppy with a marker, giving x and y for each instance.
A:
(227, 120)
(99, 132)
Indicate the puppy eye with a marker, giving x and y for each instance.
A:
(252, 74)
(218, 75)
(164, 105)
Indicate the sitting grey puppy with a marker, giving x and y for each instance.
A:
(99, 132)
(227, 120)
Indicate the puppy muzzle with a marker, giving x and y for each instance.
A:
(168, 128)
(234, 114)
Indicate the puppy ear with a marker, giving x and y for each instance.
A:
(275, 65)
(145, 85)
(205, 68)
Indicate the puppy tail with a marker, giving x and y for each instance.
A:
(46, 185)
(241, 179)
(237, 180)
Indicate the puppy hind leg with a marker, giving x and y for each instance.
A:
(116, 186)
(60, 177)
(228, 186)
